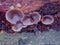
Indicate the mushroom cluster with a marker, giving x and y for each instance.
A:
(19, 20)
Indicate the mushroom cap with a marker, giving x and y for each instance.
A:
(31, 18)
(35, 17)
(18, 27)
(14, 15)
(47, 19)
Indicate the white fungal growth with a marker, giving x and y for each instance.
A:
(11, 7)
(18, 5)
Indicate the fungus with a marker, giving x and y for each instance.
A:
(27, 21)
(17, 27)
(31, 18)
(35, 17)
(14, 15)
(47, 19)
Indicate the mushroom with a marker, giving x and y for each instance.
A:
(31, 18)
(47, 19)
(14, 15)
(18, 27)
(35, 17)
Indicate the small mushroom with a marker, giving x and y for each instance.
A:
(18, 27)
(35, 17)
(47, 19)
(14, 15)
(26, 21)
(31, 18)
